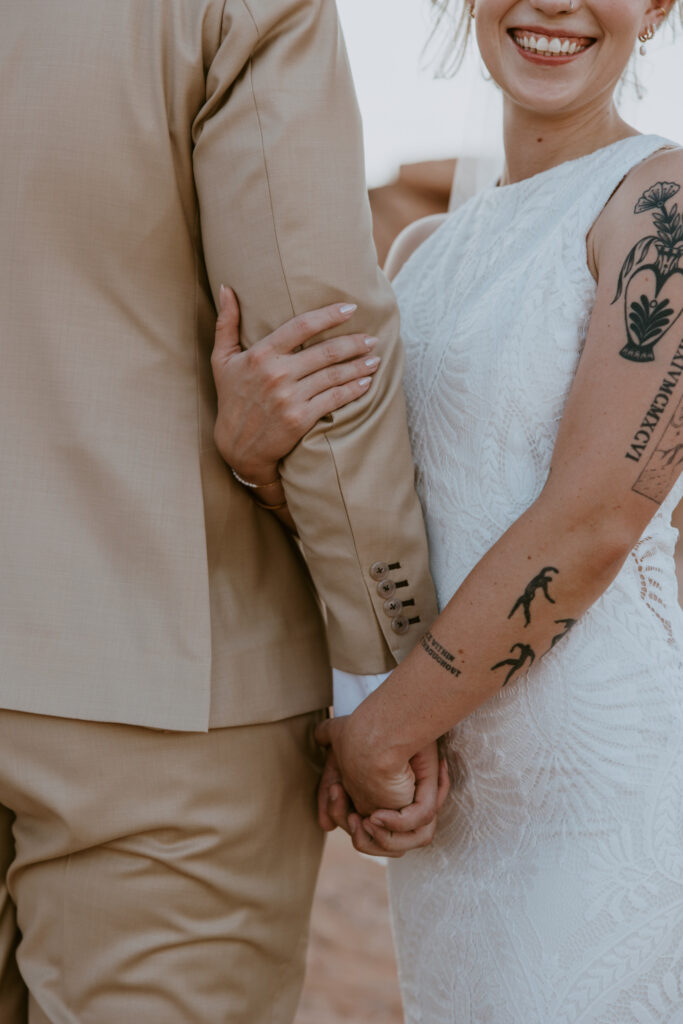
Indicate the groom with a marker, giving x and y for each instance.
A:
(162, 656)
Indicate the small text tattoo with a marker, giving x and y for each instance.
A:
(567, 623)
(643, 435)
(439, 653)
(651, 277)
(517, 663)
(666, 462)
(540, 582)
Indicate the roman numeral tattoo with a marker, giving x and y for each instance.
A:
(540, 582)
(517, 663)
(658, 406)
(666, 462)
(439, 653)
(653, 291)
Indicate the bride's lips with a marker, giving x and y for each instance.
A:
(549, 47)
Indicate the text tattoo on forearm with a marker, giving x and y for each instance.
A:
(439, 654)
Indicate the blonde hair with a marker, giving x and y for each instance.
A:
(456, 14)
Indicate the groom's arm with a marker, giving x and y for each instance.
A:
(286, 223)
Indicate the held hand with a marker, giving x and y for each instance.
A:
(395, 832)
(272, 394)
(387, 833)
(368, 779)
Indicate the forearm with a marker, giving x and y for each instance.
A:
(517, 604)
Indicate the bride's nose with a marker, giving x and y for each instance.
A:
(554, 7)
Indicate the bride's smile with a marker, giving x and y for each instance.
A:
(558, 57)
(544, 46)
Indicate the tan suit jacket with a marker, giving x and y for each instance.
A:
(151, 150)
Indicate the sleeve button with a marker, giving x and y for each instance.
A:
(393, 607)
(400, 625)
(387, 588)
(379, 570)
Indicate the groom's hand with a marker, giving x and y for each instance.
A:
(388, 833)
(371, 777)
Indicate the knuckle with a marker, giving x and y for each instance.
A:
(329, 351)
(274, 380)
(292, 417)
(335, 376)
(339, 395)
(255, 358)
(306, 325)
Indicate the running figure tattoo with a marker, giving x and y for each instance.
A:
(567, 623)
(540, 582)
(516, 664)
(653, 292)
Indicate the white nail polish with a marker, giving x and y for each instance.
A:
(364, 381)
(371, 342)
(348, 308)
(372, 362)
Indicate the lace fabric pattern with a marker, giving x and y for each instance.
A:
(553, 893)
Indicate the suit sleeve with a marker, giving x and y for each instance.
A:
(285, 221)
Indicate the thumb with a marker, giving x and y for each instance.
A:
(328, 730)
(227, 339)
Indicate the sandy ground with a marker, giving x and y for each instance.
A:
(351, 976)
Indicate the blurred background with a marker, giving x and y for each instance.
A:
(421, 133)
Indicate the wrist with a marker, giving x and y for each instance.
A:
(256, 476)
(368, 733)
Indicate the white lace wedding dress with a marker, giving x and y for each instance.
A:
(553, 893)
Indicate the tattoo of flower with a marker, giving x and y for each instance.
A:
(653, 291)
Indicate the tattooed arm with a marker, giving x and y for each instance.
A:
(618, 452)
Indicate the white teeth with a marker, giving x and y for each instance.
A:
(545, 45)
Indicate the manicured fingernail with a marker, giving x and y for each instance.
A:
(335, 792)
(369, 829)
(371, 342)
(222, 295)
(348, 308)
(372, 362)
(364, 381)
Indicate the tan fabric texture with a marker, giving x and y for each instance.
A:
(151, 150)
(162, 878)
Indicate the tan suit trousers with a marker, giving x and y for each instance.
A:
(161, 878)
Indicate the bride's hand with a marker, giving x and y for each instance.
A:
(272, 394)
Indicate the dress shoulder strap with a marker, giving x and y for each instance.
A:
(595, 178)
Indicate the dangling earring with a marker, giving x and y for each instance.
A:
(650, 31)
(645, 37)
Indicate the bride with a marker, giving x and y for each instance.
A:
(543, 324)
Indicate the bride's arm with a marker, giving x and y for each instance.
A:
(618, 452)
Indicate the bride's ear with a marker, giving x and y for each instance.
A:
(656, 14)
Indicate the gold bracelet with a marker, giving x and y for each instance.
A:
(271, 508)
(247, 483)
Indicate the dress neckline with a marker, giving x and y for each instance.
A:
(602, 150)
